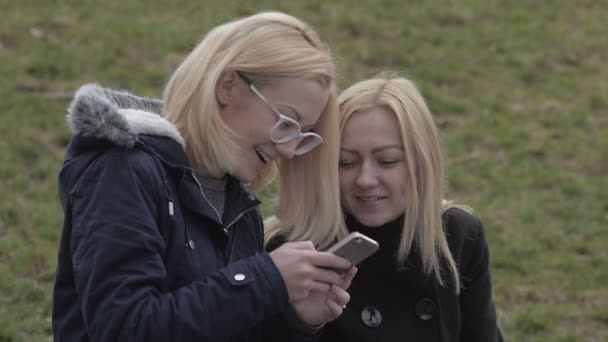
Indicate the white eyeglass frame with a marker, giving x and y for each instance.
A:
(281, 119)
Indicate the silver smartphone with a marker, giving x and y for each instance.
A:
(356, 247)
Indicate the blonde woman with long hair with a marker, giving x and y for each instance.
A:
(163, 237)
(430, 280)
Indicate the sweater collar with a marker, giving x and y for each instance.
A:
(388, 231)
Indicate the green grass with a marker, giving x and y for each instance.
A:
(518, 89)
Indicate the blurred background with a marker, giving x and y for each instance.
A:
(518, 88)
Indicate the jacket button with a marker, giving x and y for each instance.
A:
(425, 308)
(371, 317)
(239, 277)
(191, 244)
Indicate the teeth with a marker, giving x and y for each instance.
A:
(369, 198)
(261, 153)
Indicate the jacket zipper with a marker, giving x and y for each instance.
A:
(216, 212)
(233, 242)
(220, 220)
(239, 216)
(200, 187)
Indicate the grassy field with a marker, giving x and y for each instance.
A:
(519, 90)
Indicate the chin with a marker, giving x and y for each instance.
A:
(246, 173)
(244, 177)
(372, 220)
(247, 180)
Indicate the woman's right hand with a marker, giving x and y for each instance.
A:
(305, 270)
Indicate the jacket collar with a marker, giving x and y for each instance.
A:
(237, 198)
(101, 118)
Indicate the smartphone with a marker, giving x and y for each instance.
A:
(356, 247)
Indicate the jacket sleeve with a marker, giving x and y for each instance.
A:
(119, 272)
(286, 326)
(477, 307)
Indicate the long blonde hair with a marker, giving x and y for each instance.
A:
(265, 46)
(424, 177)
(308, 197)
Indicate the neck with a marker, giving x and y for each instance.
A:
(353, 224)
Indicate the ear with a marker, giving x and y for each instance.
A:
(226, 87)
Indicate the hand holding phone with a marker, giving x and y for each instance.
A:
(356, 247)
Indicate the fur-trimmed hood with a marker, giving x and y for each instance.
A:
(117, 116)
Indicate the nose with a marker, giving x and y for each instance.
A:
(287, 150)
(367, 177)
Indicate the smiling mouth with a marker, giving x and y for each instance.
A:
(263, 156)
(370, 198)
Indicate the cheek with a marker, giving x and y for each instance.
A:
(346, 181)
(400, 189)
(346, 203)
(344, 191)
(256, 132)
(249, 121)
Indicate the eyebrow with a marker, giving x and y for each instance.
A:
(375, 150)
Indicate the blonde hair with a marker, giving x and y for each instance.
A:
(308, 198)
(309, 195)
(265, 46)
(424, 177)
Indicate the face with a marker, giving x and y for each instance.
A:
(300, 99)
(372, 167)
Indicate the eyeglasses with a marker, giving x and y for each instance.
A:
(286, 129)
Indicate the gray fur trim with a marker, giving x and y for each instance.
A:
(117, 116)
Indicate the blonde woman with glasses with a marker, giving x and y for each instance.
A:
(163, 237)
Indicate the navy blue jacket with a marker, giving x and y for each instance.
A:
(143, 255)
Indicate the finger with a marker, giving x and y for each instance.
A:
(303, 245)
(320, 286)
(324, 259)
(339, 296)
(327, 276)
(335, 310)
(348, 276)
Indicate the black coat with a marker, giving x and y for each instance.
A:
(408, 305)
(143, 255)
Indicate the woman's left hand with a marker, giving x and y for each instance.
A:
(324, 307)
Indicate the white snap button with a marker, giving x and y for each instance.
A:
(191, 244)
(239, 277)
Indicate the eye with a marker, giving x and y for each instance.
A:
(287, 125)
(388, 162)
(347, 163)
